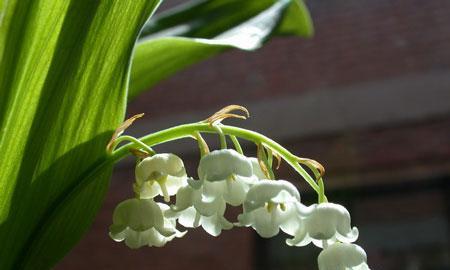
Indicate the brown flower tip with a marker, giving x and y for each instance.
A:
(121, 129)
(226, 112)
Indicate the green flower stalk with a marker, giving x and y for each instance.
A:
(211, 125)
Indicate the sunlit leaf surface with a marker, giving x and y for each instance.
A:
(191, 33)
(63, 79)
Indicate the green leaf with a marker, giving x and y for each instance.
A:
(189, 34)
(64, 68)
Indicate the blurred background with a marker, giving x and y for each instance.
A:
(368, 96)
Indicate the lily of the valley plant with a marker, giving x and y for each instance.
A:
(227, 176)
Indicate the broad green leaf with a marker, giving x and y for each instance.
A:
(189, 34)
(64, 67)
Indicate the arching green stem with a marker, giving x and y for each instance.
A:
(188, 130)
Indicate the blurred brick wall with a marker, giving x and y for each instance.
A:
(355, 41)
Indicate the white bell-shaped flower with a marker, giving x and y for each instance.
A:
(225, 174)
(324, 224)
(140, 222)
(223, 164)
(269, 206)
(343, 256)
(161, 174)
(192, 212)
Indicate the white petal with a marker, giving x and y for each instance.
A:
(349, 237)
(249, 181)
(158, 240)
(173, 184)
(118, 234)
(342, 256)
(235, 191)
(290, 221)
(155, 239)
(221, 164)
(188, 217)
(301, 238)
(165, 231)
(209, 208)
(215, 224)
(172, 213)
(303, 210)
(213, 190)
(195, 184)
(147, 190)
(284, 197)
(159, 165)
(265, 190)
(265, 223)
(138, 214)
(169, 222)
(184, 198)
(136, 239)
(245, 219)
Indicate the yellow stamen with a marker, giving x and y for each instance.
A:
(270, 206)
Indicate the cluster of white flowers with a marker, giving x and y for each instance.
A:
(227, 177)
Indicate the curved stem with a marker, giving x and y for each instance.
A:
(133, 140)
(262, 157)
(322, 198)
(223, 140)
(270, 158)
(236, 144)
(188, 130)
(202, 145)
